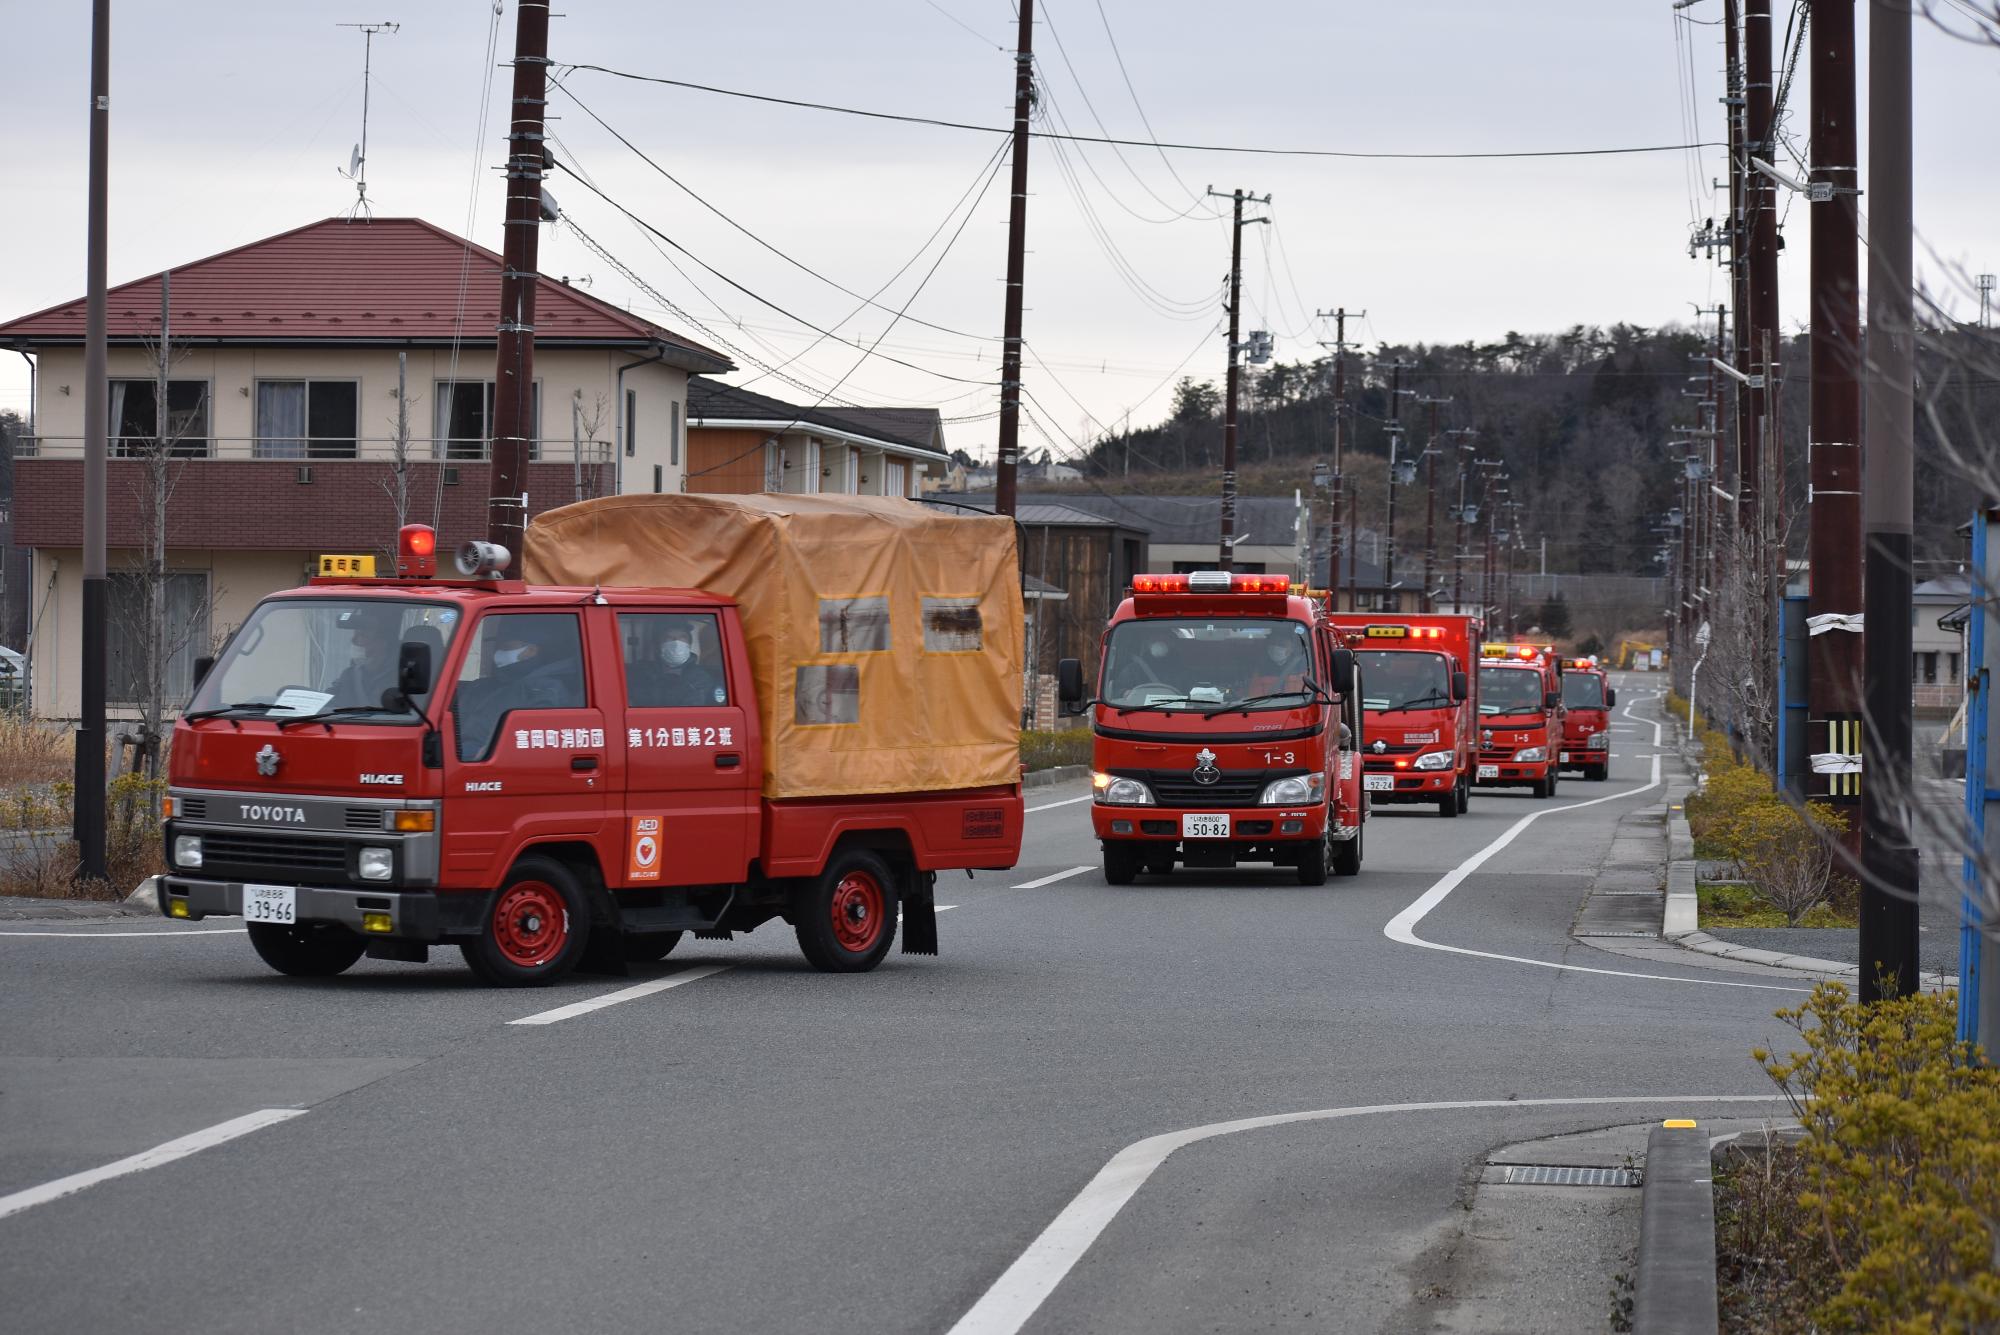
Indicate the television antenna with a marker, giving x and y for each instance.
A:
(1985, 282)
(357, 161)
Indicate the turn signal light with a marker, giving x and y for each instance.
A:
(377, 922)
(166, 808)
(415, 822)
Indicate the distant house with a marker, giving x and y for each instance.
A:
(282, 408)
(740, 442)
(1937, 653)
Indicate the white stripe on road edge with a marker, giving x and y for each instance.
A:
(1403, 927)
(576, 1008)
(1066, 802)
(1051, 880)
(1026, 1285)
(165, 932)
(153, 1158)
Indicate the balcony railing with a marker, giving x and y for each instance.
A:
(364, 450)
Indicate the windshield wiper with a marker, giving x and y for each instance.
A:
(1310, 690)
(1426, 698)
(347, 711)
(197, 715)
(1154, 704)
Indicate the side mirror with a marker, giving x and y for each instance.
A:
(413, 669)
(201, 667)
(1550, 699)
(1069, 685)
(1610, 698)
(1342, 666)
(1461, 686)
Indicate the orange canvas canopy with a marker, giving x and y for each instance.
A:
(885, 636)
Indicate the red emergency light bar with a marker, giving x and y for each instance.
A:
(1152, 584)
(416, 551)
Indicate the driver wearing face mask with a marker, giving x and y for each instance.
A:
(679, 679)
(1281, 667)
(1151, 663)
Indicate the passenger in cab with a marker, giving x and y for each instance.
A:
(677, 678)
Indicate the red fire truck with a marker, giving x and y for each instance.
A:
(1588, 699)
(1520, 717)
(540, 772)
(1226, 727)
(1421, 704)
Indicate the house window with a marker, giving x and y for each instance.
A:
(893, 471)
(135, 423)
(774, 465)
(1952, 659)
(308, 419)
(129, 627)
(1927, 669)
(631, 422)
(674, 441)
(464, 419)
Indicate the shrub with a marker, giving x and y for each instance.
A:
(1902, 1161)
(1045, 750)
(1786, 854)
(1714, 814)
(32, 754)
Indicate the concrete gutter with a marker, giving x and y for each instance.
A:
(1677, 1289)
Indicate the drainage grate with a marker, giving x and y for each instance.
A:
(1564, 1175)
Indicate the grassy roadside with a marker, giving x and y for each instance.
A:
(1733, 904)
(1046, 750)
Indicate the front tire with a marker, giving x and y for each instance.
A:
(1464, 796)
(1313, 857)
(1448, 805)
(307, 949)
(1347, 855)
(1600, 773)
(845, 918)
(1121, 864)
(1545, 788)
(536, 928)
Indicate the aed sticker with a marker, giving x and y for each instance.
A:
(642, 862)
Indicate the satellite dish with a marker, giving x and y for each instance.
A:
(354, 161)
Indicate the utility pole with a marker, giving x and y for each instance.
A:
(1225, 554)
(1888, 861)
(1336, 536)
(1742, 461)
(1761, 216)
(1393, 599)
(1354, 553)
(1834, 656)
(1458, 552)
(514, 371)
(88, 809)
(1009, 450)
(1430, 505)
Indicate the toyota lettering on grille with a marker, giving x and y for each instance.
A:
(277, 814)
(1204, 767)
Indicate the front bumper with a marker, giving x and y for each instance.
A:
(1411, 785)
(1246, 824)
(414, 915)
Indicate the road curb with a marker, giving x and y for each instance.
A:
(1676, 1292)
(1055, 774)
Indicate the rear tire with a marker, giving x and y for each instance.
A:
(845, 918)
(650, 947)
(1347, 855)
(536, 928)
(1121, 864)
(307, 949)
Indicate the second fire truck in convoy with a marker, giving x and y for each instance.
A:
(1587, 702)
(1226, 723)
(1520, 717)
(1421, 704)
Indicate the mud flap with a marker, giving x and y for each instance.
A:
(604, 953)
(920, 915)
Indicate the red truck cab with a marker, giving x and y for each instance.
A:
(1588, 700)
(1421, 704)
(533, 773)
(1226, 730)
(1520, 717)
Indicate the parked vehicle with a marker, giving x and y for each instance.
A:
(1588, 699)
(1226, 729)
(687, 721)
(1520, 717)
(1421, 703)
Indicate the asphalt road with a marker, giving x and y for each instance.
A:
(765, 1148)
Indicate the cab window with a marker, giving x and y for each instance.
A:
(673, 660)
(518, 661)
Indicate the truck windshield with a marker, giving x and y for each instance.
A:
(1510, 690)
(1202, 663)
(1393, 679)
(300, 656)
(1583, 690)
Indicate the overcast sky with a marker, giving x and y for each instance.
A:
(230, 119)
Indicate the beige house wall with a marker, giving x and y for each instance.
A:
(1160, 557)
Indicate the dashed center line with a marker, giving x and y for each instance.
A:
(623, 994)
(153, 1158)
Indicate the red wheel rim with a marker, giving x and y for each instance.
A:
(858, 915)
(530, 924)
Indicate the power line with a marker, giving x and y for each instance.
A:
(1140, 143)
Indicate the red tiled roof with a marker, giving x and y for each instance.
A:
(381, 280)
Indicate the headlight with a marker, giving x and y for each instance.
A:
(1600, 741)
(375, 864)
(1532, 753)
(1305, 790)
(187, 850)
(1123, 792)
(1435, 760)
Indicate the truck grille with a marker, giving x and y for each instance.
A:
(1236, 788)
(240, 854)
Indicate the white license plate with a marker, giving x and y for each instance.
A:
(1379, 783)
(1488, 772)
(1205, 827)
(270, 903)
(1565, 757)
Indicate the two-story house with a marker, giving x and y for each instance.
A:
(292, 361)
(741, 441)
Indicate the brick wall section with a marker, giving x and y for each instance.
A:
(261, 505)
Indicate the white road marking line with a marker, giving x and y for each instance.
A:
(576, 1008)
(205, 931)
(1025, 1285)
(1051, 880)
(1066, 802)
(1403, 927)
(153, 1158)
